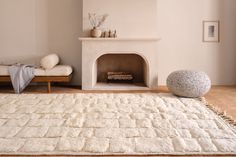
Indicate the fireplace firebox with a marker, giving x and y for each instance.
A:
(121, 68)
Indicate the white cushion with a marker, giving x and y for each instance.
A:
(59, 70)
(4, 70)
(49, 61)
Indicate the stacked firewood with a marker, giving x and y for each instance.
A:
(119, 76)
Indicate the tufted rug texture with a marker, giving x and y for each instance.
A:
(110, 124)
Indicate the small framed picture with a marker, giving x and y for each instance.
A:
(211, 31)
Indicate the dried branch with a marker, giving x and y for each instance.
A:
(97, 20)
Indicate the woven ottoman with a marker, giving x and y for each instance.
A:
(188, 83)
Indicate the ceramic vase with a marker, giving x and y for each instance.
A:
(96, 32)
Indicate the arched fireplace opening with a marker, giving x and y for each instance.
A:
(125, 69)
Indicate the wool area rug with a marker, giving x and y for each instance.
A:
(111, 124)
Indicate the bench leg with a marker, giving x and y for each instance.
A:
(49, 87)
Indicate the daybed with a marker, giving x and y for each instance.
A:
(58, 73)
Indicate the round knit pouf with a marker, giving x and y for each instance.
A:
(187, 83)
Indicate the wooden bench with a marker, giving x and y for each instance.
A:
(42, 79)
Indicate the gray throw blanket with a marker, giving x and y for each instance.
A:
(21, 75)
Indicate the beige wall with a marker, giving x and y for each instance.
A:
(181, 47)
(131, 18)
(30, 29)
(64, 28)
(18, 31)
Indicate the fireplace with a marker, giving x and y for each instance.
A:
(128, 68)
(132, 57)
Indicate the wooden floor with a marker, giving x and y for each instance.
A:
(128, 156)
(223, 97)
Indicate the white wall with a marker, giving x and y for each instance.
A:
(131, 18)
(30, 29)
(18, 31)
(181, 47)
(64, 28)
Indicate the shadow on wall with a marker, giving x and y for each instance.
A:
(64, 28)
(227, 56)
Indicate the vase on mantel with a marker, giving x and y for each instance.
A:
(96, 32)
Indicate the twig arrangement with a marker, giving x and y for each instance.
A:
(97, 20)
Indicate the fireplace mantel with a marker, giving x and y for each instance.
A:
(120, 39)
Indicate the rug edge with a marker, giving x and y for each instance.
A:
(219, 112)
(119, 154)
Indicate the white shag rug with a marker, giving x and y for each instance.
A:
(109, 124)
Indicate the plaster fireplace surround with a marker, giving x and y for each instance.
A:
(135, 55)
